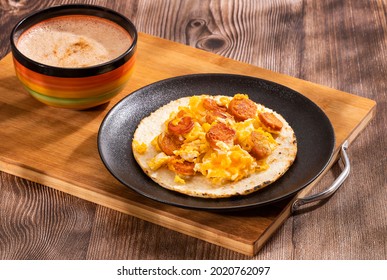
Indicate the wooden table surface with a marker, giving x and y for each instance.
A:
(339, 44)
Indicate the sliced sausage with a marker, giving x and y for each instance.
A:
(181, 167)
(270, 121)
(169, 143)
(261, 147)
(184, 125)
(220, 132)
(214, 111)
(212, 116)
(211, 105)
(242, 108)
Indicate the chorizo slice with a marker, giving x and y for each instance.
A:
(169, 143)
(220, 132)
(181, 167)
(211, 105)
(212, 116)
(214, 110)
(270, 121)
(261, 147)
(184, 125)
(242, 108)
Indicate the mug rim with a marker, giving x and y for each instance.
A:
(73, 9)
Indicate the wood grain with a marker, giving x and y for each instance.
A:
(305, 39)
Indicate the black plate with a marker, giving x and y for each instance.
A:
(314, 132)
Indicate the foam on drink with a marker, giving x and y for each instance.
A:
(74, 41)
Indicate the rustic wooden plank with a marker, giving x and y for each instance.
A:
(25, 222)
(344, 49)
(62, 153)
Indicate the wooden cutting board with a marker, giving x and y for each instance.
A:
(58, 147)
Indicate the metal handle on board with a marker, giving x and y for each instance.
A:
(333, 188)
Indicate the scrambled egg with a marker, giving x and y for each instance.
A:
(158, 161)
(140, 148)
(228, 163)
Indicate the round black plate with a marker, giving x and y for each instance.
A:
(314, 132)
